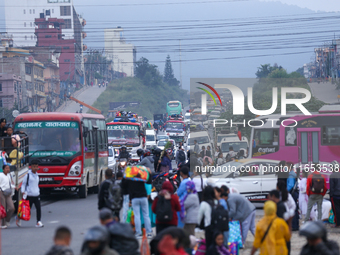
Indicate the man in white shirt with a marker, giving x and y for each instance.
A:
(7, 189)
(31, 192)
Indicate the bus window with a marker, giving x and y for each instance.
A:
(89, 139)
(267, 137)
(331, 135)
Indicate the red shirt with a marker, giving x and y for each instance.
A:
(309, 184)
(175, 207)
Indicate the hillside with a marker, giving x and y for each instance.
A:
(153, 99)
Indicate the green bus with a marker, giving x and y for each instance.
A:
(174, 107)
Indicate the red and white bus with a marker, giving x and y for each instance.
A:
(71, 148)
(129, 134)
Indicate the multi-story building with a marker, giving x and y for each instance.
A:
(49, 33)
(10, 90)
(122, 54)
(19, 62)
(21, 14)
(49, 56)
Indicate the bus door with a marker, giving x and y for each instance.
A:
(309, 144)
(96, 153)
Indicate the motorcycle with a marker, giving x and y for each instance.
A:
(122, 163)
(172, 176)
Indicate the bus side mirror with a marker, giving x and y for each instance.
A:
(85, 131)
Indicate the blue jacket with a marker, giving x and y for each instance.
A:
(291, 180)
(166, 162)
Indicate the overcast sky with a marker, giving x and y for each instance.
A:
(219, 39)
(315, 5)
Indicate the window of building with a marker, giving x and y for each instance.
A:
(65, 10)
(52, 10)
(48, 36)
(67, 60)
(33, 11)
(66, 48)
(31, 24)
(30, 11)
(24, 24)
(67, 72)
(15, 87)
(24, 11)
(31, 37)
(1, 103)
(28, 70)
(25, 37)
(19, 85)
(0, 86)
(67, 24)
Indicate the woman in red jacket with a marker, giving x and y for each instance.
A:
(167, 194)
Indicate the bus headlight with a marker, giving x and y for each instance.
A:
(75, 169)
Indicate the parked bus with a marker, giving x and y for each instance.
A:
(174, 107)
(314, 140)
(71, 148)
(126, 133)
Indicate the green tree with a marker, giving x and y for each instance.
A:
(264, 70)
(169, 77)
(148, 73)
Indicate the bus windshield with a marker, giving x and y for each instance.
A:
(123, 134)
(236, 146)
(51, 138)
(200, 140)
(174, 125)
(173, 105)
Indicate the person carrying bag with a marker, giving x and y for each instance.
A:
(6, 195)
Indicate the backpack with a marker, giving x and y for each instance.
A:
(163, 209)
(181, 155)
(219, 218)
(201, 248)
(115, 197)
(318, 184)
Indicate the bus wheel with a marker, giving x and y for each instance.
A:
(82, 191)
(95, 189)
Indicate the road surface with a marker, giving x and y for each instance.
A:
(59, 209)
(88, 96)
(325, 92)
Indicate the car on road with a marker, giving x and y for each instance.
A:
(254, 178)
(161, 137)
(162, 143)
(112, 159)
(150, 137)
(203, 139)
(234, 142)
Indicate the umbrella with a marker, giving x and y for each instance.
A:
(210, 160)
(136, 173)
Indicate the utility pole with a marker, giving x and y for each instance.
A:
(180, 64)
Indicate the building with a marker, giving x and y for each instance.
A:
(49, 33)
(49, 56)
(10, 90)
(21, 14)
(123, 55)
(19, 62)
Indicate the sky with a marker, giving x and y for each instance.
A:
(315, 5)
(214, 38)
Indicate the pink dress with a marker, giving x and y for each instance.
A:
(303, 198)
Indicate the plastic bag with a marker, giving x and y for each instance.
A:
(331, 217)
(144, 248)
(131, 218)
(24, 210)
(3, 213)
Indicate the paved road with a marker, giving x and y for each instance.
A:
(77, 214)
(325, 92)
(88, 96)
